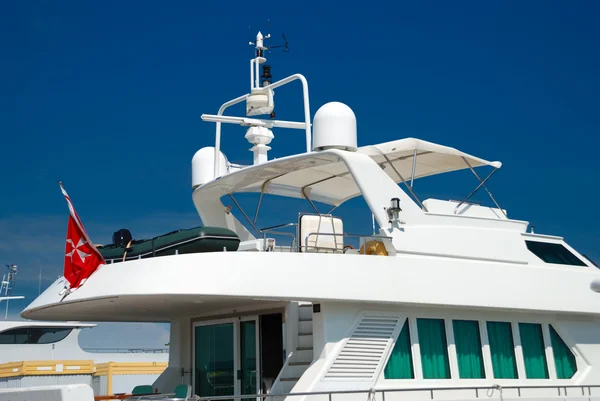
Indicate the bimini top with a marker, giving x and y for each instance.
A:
(323, 177)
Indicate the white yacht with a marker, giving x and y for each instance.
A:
(447, 300)
(25, 340)
(34, 353)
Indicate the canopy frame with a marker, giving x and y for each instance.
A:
(481, 185)
(408, 187)
(388, 161)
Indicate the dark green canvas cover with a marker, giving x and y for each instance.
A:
(192, 240)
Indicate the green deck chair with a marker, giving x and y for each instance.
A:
(143, 389)
(183, 391)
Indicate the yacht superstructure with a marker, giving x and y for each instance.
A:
(446, 300)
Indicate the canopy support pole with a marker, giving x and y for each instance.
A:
(309, 201)
(245, 215)
(484, 187)
(404, 181)
(481, 184)
(263, 189)
(258, 205)
(414, 167)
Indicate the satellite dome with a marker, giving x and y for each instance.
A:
(203, 166)
(334, 127)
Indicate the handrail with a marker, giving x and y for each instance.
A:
(561, 391)
(270, 229)
(128, 350)
(341, 235)
(267, 229)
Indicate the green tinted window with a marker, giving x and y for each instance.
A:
(434, 348)
(468, 349)
(400, 364)
(534, 353)
(502, 349)
(564, 360)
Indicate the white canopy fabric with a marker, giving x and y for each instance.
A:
(323, 177)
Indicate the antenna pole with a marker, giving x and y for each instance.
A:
(7, 280)
(6, 293)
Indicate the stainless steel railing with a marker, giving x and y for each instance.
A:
(578, 392)
(277, 230)
(362, 238)
(272, 229)
(128, 350)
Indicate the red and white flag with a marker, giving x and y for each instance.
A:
(81, 256)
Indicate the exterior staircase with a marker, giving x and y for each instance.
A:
(302, 357)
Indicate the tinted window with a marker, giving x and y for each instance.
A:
(534, 350)
(553, 253)
(502, 348)
(434, 348)
(400, 364)
(34, 335)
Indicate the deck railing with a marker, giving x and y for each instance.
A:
(128, 350)
(486, 392)
(362, 238)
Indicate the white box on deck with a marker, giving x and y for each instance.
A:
(69, 392)
(321, 233)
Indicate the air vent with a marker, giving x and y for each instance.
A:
(362, 353)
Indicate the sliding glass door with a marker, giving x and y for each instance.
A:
(226, 358)
(248, 357)
(214, 360)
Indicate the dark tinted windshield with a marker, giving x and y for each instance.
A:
(34, 335)
(554, 253)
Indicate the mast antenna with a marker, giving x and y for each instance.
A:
(6, 286)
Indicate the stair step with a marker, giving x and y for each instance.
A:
(303, 354)
(287, 386)
(305, 312)
(305, 340)
(299, 363)
(290, 379)
(305, 326)
(296, 370)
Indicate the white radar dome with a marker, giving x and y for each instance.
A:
(334, 127)
(203, 166)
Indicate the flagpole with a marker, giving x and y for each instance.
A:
(77, 273)
(78, 221)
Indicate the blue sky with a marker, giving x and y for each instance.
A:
(107, 97)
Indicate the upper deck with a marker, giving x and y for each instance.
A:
(477, 250)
